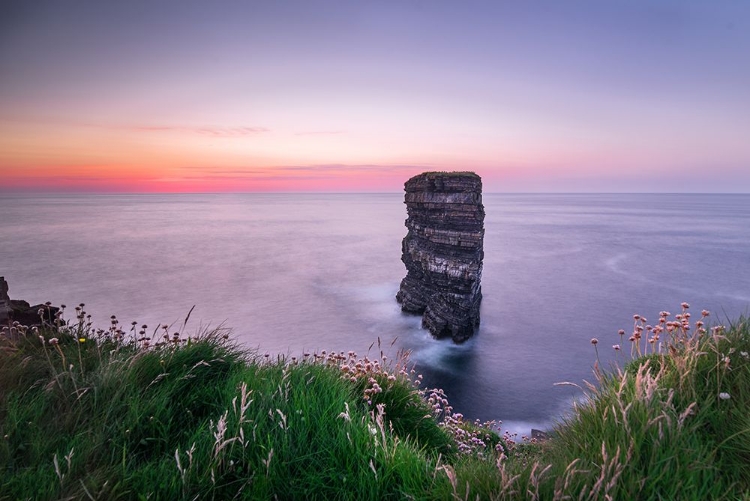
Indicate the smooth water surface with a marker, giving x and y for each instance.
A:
(292, 272)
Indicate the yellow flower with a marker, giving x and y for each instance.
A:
(81, 339)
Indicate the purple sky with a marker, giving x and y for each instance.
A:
(360, 95)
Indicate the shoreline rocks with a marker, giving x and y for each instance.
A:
(18, 310)
(443, 252)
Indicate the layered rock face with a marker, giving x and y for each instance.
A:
(443, 252)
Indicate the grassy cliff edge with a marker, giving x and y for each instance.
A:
(125, 414)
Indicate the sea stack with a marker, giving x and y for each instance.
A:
(443, 252)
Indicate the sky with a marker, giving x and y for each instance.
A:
(360, 95)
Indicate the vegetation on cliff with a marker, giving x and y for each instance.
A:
(138, 413)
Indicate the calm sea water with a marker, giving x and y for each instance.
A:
(303, 272)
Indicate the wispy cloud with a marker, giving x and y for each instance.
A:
(268, 176)
(211, 131)
(320, 133)
(351, 168)
(297, 171)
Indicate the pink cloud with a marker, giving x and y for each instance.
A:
(320, 133)
(211, 131)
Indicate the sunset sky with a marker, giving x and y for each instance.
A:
(359, 95)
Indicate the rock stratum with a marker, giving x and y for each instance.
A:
(443, 252)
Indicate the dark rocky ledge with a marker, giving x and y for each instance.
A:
(17, 310)
(443, 252)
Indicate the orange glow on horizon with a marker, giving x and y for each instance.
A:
(50, 158)
(118, 178)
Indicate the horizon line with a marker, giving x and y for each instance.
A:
(115, 193)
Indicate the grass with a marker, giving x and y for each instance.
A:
(140, 414)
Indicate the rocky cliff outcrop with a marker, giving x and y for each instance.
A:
(5, 309)
(443, 252)
(18, 310)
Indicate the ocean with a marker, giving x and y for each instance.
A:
(290, 273)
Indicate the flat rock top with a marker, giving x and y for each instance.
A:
(444, 182)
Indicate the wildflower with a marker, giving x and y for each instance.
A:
(81, 339)
(705, 313)
(621, 332)
(594, 341)
(685, 306)
(724, 396)
(616, 347)
(53, 341)
(744, 354)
